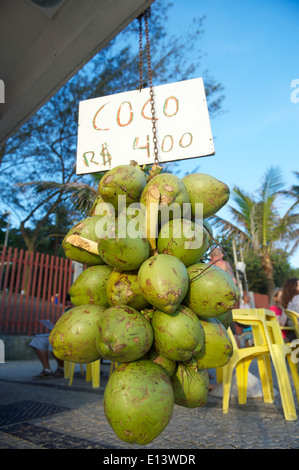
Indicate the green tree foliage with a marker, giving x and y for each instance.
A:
(39, 160)
(259, 227)
(282, 269)
(255, 273)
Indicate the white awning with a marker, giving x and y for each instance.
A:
(45, 42)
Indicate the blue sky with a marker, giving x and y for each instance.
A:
(252, 48)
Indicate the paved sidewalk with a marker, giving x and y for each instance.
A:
(48, 414)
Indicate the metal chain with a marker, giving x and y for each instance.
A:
(146, 16)
(140, 54)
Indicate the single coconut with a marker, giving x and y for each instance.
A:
(177, 335)
(125, 335)
(163, 280)
(123, 289)
(217, 347)
(207, 190)
(190, 385)
(184, 239)
(90, 287)
(211, 291)
(74, 335)
(138, 401)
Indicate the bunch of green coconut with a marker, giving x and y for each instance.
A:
(147, 300)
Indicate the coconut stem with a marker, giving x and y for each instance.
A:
(152, 209)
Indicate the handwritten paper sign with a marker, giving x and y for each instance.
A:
(115, 129)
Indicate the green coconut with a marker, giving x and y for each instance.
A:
(177, 335)
(211, 291)
(122, 180)
(74, 335)
(125, 335)
(170, 189)
(163, 280)
(217, 347)
(102, 208)
(184, 239)
(123, 289)
(168, 365)
(124, 249)
(207, 190)
(90, 287)
(190, 385)
(138, 401)
(79, 251)
(97, 203)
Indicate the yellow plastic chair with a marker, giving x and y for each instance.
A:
(219, 375)
(66, 368)
(278, 342)
(113, 366)
(267, 332)
(294, 318)
(69, 368)
(92, 372)
(277, 338)
(263, 362)
(240, 361)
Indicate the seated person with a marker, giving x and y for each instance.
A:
(42, 347)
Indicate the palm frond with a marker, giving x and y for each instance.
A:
(227, 228)
(272, 184)
(79, 196)
(245, 203)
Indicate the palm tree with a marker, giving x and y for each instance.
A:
(294, 193)
(258, 223)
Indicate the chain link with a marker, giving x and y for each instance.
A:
(140, 54)
(146, 15)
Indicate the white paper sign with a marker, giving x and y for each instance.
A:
(115, 129)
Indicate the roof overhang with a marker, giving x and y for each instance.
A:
(45, 42)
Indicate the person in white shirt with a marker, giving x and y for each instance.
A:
(290, 300)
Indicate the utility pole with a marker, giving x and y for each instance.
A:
(244, 272)
(239, 282)
(241, 268)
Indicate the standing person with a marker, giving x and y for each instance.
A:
(246, 301)
(290, 301)
(290, 294)
(216, 258)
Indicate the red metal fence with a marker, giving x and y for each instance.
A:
(33, 287)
